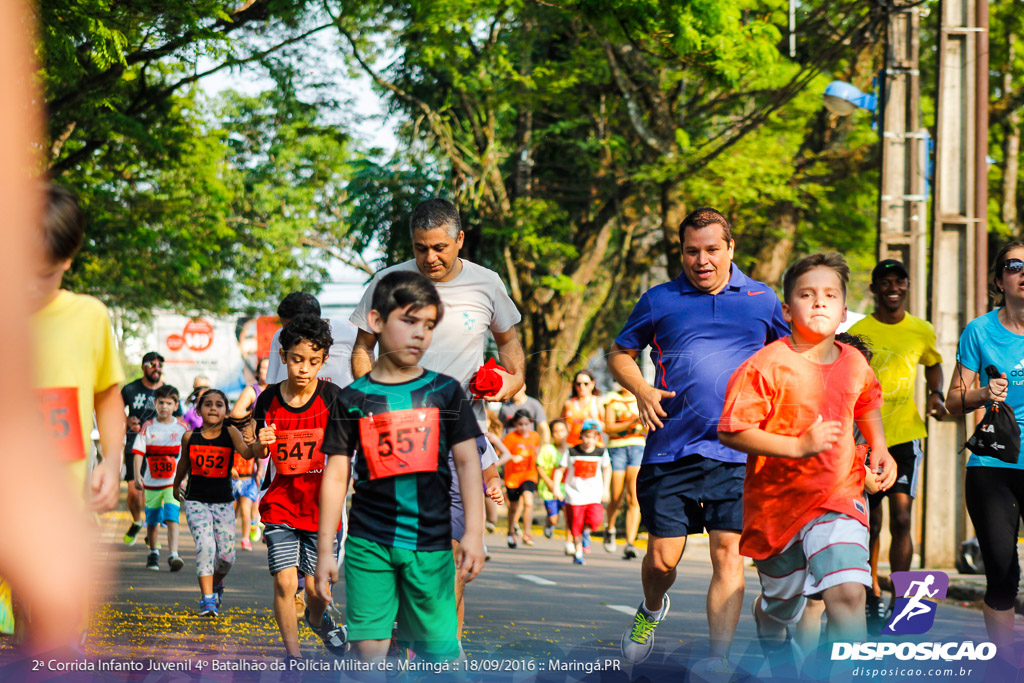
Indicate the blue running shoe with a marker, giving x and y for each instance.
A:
(218, 591)
(208, 607)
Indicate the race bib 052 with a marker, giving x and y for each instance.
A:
(210, 461)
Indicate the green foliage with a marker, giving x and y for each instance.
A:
(572, 135)
(240, 213)
(192, 205)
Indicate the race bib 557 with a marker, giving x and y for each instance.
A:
(401, 442)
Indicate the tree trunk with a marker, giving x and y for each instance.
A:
(777, 246)
(1011, 150)
(673, 211)
(567, 328)
(1011, 172)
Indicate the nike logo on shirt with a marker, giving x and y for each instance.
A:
(755, 293)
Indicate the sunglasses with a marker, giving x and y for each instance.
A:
(1013, 265)
(583, 384)
(153, 364)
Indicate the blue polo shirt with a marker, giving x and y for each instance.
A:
(697, 341)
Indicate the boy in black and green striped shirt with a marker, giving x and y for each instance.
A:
(395, 426)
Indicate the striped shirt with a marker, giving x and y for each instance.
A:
(160, 446)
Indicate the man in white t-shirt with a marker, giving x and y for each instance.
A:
(475, 301)
(337, 367)
(474, 298)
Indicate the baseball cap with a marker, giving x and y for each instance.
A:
(591, 424)
(151, 356)
(889, 265)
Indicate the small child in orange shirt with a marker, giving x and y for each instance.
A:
(792, 407)
(521, 475)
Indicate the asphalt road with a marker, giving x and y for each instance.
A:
(531, 615)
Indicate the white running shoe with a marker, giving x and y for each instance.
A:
(638, 640)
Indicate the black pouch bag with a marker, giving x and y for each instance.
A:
(998, 434)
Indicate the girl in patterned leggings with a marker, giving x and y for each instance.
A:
(207, 456)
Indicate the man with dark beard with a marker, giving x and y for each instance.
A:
(138, 399)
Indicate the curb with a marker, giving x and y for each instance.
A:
(966, 591)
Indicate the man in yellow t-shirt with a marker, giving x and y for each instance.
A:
(899, 343)
(78, 369)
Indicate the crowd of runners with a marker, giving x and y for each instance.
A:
(383, 473)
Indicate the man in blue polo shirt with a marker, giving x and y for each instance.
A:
(700, 327)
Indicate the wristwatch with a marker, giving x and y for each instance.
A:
(937, 391)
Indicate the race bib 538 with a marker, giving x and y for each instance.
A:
(161, 466)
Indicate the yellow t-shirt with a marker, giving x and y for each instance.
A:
(897, 350)
(76, 358)
(622, 408)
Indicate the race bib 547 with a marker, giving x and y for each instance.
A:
(297, 451)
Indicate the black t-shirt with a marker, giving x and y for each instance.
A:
(400, 435)
(214, 457)
(140, 401)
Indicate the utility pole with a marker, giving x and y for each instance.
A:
(902, 195)
(959, 251)
(902, 200)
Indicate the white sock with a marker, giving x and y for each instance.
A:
(656, 616)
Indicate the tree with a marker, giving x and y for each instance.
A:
(575, 137)
(192, 205)
(111, 70)
(243, 211)
(1005, 102)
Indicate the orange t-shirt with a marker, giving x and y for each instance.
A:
(516, 472)
(244, 466)
(782, 392)
(576, 412)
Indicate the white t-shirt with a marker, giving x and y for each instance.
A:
(584, 476)
(474, 302)
(160, 446)
(337, 369)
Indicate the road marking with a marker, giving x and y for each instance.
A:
(539, 580)
(623, 608)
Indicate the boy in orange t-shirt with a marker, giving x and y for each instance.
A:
(792, 407)
(521, 474)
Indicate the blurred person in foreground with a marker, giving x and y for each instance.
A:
(40, 497)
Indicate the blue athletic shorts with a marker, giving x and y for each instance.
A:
(625, 456)
(246, 486)
(553, 506)
(690, 495)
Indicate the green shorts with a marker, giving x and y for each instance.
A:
(384, 584)
(161, 507)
